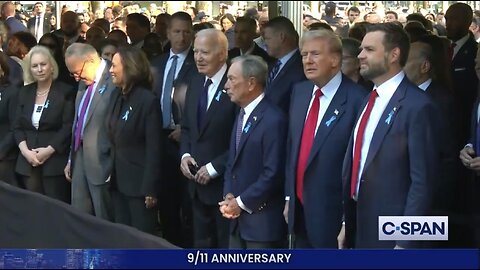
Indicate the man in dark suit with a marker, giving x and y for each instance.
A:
(208, 119)
(69, 31)
(282, 43)
(245, 32)
(40, 24)
(8, 14)
(173, 72)
(254, 176)
(90, 163)
(392, 157)
(322, 117)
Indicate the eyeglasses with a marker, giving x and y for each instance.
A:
(81, 71)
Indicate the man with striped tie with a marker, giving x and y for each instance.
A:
(393, 154)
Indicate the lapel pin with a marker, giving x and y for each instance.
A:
(329, 122)
(102, 89)
(46, 104)
(390, 115)
(336, 112)
(247, 127)
(125, 116)
(254, 118)
(217, 98)
(0, 96)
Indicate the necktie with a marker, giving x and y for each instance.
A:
(477, 141)
(359, 142)
(450, 50)
(203, 103)
(273, 73)
(167, 93)
(81, 117)
(238, 134)
(306, 143)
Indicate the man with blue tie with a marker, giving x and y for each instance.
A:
(206, 124)
(39, 24)
(281, 39)
(254, 176)
(322, 116)
(392, 157)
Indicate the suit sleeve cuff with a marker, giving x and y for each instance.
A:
(468, 145)
(242, 205)
(211, 170)
(186, 155)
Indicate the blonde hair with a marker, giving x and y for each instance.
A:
(27, 62)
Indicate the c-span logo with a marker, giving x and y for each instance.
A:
(423, 228)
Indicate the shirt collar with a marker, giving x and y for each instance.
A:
(331, 87)
(284, 59)
(425, 84)
(100, 70)
(461, 41)
(387, 88)
(252, 105)
(181, 56)
(217, 78)
(249, 51)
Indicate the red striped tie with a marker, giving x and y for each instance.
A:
(357, 153)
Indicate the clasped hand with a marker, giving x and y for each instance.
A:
(38, 156)
(229, 207)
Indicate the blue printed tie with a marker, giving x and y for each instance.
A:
(273, 73)
(238, 134)
(203, 103)
(167, 93)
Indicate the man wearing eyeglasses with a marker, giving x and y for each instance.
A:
(90, 164)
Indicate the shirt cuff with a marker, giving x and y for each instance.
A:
(211, 170)
(186, 155)
(287, 198)
(241, 205)
(468, 145)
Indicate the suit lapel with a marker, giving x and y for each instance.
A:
(252, 121)
(331, 117)
(130, 109)
(285, 68)
(386, 121)
(102, 85)
(187, 64)
(30, 100)
(51, 99)
(216, 102)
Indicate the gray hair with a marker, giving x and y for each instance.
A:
(253, 66)
(332, 39)
(80, 50)
(221, 39)
(27, 62)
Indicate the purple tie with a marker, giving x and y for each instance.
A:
(81, 117)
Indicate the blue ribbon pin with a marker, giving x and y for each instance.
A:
(0, 96)
(390, 115)
(102, 89)
(247, 127)
(333, 118)
(217, 98)
(125, 116)
(46, 104)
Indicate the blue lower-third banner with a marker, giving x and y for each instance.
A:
(238, 259)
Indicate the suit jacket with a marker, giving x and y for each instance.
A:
(16, 72)
(256, 173)
(399, 171)
(322, 184)
(46, 25)
(134, 129)
(15, 26)
(256, 51)
(185, 75)
(96, 145)
(8, 108)
(279, 91)
(210, 143)
(465, 87)
(55, 126)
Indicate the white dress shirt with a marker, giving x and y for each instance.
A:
(425, 84)
(284, 59)
(248, 110)
(385, 92)
(180, 60)
(460, 44)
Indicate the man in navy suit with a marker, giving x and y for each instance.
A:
(173, 72)
(206, 124)
(40, 24)
(254, 176)
(282, 43)
(315, 152)
(392, 157)
(8, 14)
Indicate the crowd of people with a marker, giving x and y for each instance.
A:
(240, 135)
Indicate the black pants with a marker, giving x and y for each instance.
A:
(210, 228)
(301, 237)
(237, 242)
(7, 173)
(131, 211)
(56, 187)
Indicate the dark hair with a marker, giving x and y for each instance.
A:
(249, 22)
(4, 81)
(181, 16)
(282, 24)
(319, 26)
(354, 9)
(358, 30)
(395, 37)
(102, 23)
(352, 46)
(52, 42)
(140, 19)
(120, 34)
(415, 30)
(116, 11)
(229, 17)
(200, 26)
(26, 38)
(420, 18)
(138, 72)
(392, 12)
(152, 45)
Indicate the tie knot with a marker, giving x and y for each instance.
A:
(453, 45)
(278, 63)
(207, 83)
(174, 57)
(374, 94)
(318, 92)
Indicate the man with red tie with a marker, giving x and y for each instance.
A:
(391, 160)
(322, 116)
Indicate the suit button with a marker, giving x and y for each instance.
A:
(363, 180)
(233, 177)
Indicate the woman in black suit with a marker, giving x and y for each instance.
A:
(134, 128)
(43, 127)
(8, 103)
